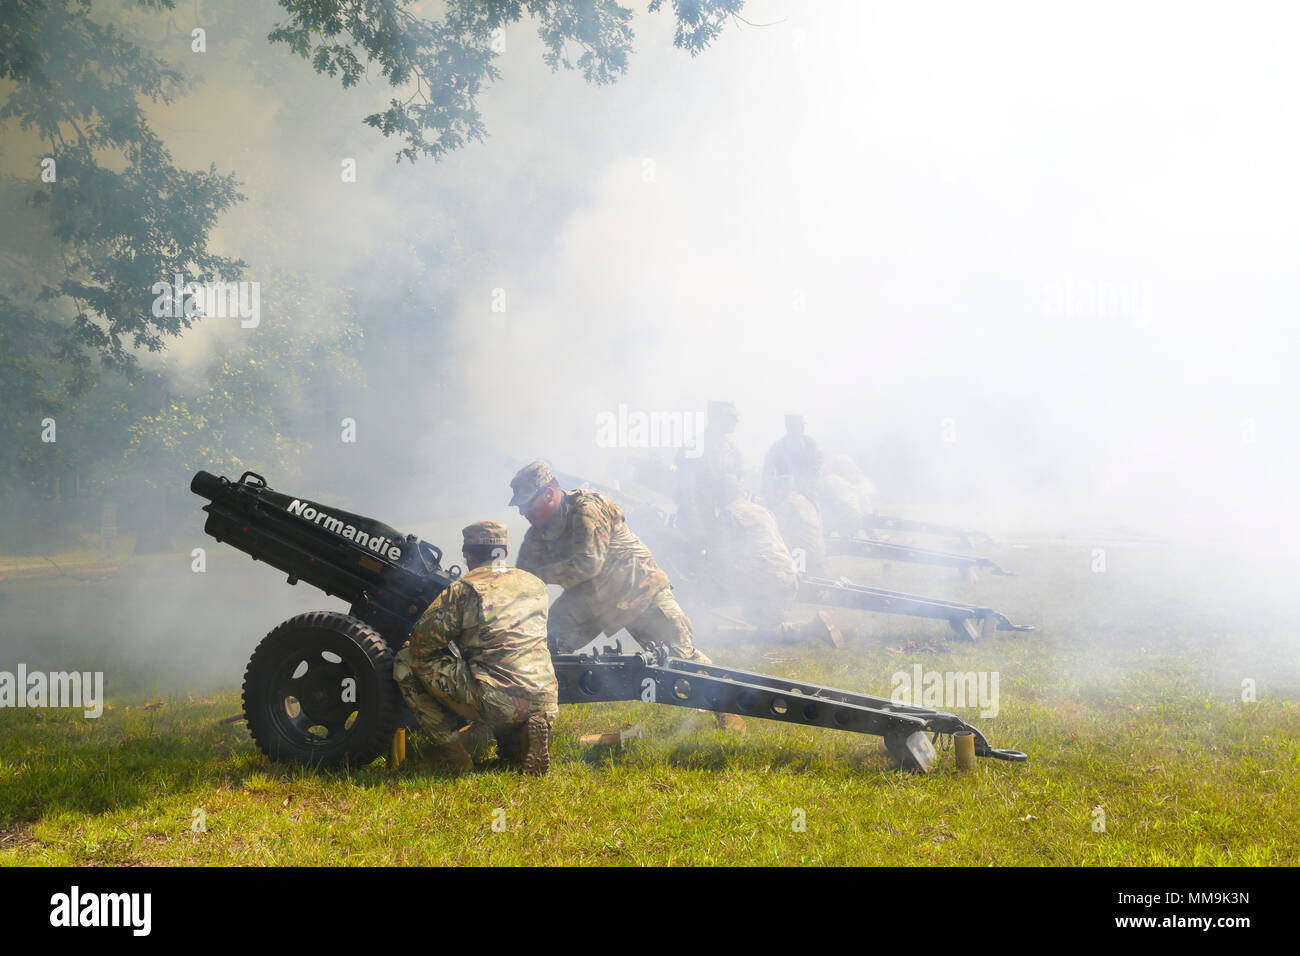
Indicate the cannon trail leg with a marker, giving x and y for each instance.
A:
(653, 677)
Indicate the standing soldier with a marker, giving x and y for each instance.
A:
(479, 654)
(795, 454)
(700, 470)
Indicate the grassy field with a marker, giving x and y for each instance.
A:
(1128, 699)
(75, 563)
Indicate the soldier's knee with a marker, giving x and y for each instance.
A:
(402, 664)
(409, 685)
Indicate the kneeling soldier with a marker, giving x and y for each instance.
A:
(756, 568)
(479, 654)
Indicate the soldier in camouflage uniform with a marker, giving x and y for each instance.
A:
(800, 523)
(794, 454)
(580, 541)
(847, 497)
(479, 654)
(700, 471)
(755, 567)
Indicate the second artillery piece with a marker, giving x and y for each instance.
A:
(968, 621)
(319, 688)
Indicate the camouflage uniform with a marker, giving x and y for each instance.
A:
(796, 455)
(479, 653)
(754, 564)
(839, 500)
(699, 478)
(847, 495)
(757, 569)
(610, 578)
(800, 523)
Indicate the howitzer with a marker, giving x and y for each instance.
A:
(879, 522)
(319, 688)
(968, 621)
(888, 551)
(653, 675)
(655, 474)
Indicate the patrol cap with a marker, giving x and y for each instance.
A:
(530, 480)
(722, 409)
(491, 533)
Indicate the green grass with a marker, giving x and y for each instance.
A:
(72, 560)
(1126, 699)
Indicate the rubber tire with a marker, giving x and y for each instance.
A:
(370, 661)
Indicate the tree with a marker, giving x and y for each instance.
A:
(451, 60)
(80, 88)
(106, 214)
(249, 404)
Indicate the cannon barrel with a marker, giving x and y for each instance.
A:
(388, 578)
(206, 485)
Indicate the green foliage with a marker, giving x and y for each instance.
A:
(699, 21)
(244, 408)
(450, 60)
(125, 215)
(81, 255)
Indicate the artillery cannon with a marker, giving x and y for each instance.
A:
(319, 690)
(877, 522)
(860, 547)
(968, 621)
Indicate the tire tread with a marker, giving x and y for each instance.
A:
(360, 751)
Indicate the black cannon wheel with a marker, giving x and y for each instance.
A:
(319, 691)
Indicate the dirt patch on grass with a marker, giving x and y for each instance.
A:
(15, 836)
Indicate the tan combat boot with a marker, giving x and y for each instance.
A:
(725, 721)
(733, 722)
(535, 745)
(822, 628)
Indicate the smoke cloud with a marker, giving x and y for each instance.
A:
(1031, 267)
